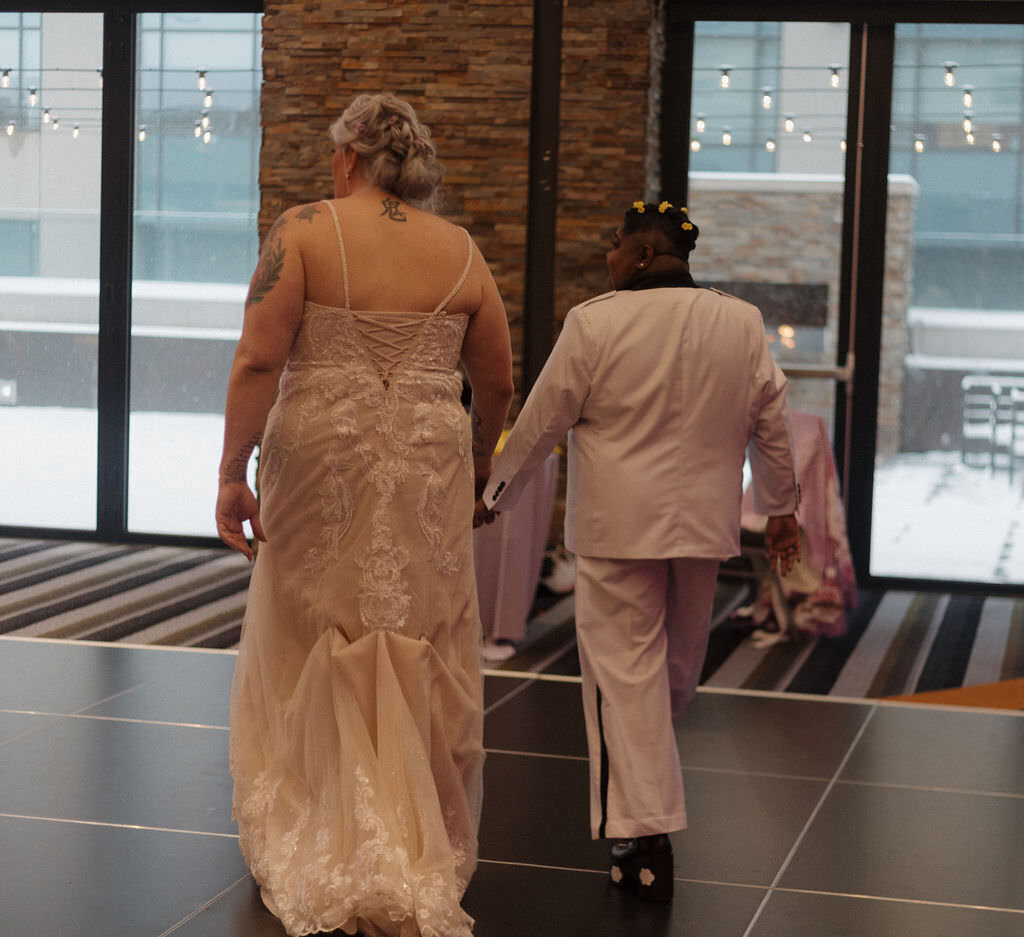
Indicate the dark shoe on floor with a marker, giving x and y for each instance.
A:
(644, 865)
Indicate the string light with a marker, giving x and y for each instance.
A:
(997, 143)
(842, 145)
(204, 120)
(769, 144)
(10, 128)
(766, 98)
(789, 124)
(142, 133)
(968, 97)
(695, 146)
(46, 115)
(918, 143)
(723, 80)
(33, 98)
(807, 137)
(75, 132)
(208, 99)
(202, 80)
(968, 124)
(198, 132)
(949, 79)
(833, 78)
(5, 79)
(207, 136)
(56, 123)
(970, 139)
(726, 137)
(99, 76)
(701, 124)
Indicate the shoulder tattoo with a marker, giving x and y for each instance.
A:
(307, 213)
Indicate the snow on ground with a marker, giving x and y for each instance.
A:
(933, 517)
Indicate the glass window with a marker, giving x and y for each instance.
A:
(767, 200)
(50, 117)
(951, 397)
(195, 247)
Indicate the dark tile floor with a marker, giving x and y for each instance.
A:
(808, 817)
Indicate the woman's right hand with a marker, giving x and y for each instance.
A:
(235, 504)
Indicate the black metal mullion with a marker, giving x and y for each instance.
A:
(542, 206)
(676, 105)
(868, 277)
(116, 200)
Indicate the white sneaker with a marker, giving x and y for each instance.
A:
(491, 650)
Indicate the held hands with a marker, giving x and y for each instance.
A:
(481, 513)
(782, 536)
(236, 503)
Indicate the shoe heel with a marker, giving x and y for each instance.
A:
(654, 875)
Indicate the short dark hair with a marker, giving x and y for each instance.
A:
(673, 223)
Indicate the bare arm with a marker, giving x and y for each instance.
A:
(487, 359)
(273, 311)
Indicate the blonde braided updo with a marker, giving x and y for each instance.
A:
(393, 146)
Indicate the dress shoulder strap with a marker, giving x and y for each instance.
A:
(341, 250)
(462, 279)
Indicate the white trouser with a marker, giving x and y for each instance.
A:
(642, 629)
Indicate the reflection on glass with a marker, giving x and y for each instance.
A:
(766, 183)
(49, 267)
(194, 250)
(947, 497)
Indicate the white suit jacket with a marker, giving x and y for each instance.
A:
(660, 390)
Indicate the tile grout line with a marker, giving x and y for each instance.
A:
(117, 826)
(810, 820)
(205, 906)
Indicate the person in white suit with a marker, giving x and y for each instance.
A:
(662, 388)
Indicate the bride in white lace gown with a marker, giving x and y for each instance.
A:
(356, 717)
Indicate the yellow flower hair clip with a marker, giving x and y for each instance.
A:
(687, 226)
(664, 207)
(684, 211)
(640, 207)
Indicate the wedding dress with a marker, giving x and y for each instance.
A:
(356, 717)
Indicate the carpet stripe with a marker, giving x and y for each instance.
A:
(986, 661)
(870, 651)
(893, 675)
(48, 571)
(1013, 661)
(12, 549)
(826, 661)
(773, 666)
(185, 628)
(947, 662)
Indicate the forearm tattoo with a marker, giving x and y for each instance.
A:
(393, 209)
(235, 470)
(479, 449)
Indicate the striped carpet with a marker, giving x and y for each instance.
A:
(897, 643)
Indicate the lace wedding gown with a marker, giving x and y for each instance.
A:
(356, 718)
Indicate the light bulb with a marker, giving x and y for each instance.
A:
(198, 132)
(918, 143)
(968, 97)
(10, 128)
(33, 98)
(701, 124)
(56, 123)
(997, 143)
(970, 139)
(99, 75)
(769, 144)
(968, 123)
(202, 80)
(204, 120)
(766, 98)
(142, 134)
(208, 99)
(807, 138)
(842, 145)
(695, 146)
(789, 124)
(833, 78)
(5, 79)
(726, 137)
(207, 136)
(949, 79)
(74, 132)
(46, 115)
(723, 79)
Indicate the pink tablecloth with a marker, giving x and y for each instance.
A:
(509, 553)
(823, 585)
